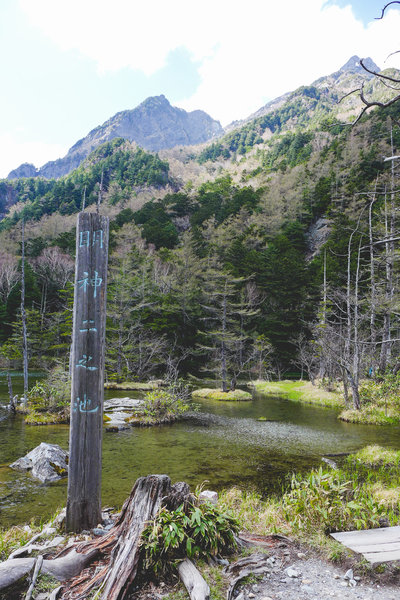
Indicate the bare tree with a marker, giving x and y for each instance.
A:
(9, 276)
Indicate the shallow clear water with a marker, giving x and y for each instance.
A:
(222, 443)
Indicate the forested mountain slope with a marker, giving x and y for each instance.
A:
(214, 245)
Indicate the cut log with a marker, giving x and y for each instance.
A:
(193, 581)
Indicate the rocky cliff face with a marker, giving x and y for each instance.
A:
(154, 125)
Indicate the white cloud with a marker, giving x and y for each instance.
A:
(13, 153)
(247, 51)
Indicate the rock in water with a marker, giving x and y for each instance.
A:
(47, 462)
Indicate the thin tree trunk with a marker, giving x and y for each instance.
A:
(386, 331)
(23, 315)
(223, 349)
(357, 349)
(10, 393)
(372, 286)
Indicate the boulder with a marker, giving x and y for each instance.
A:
(208, 496)
(47, 462)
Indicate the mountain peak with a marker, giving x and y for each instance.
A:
(353, 65)
(154, 125)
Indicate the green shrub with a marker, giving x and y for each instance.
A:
(198, 531)
(167, 404)
(329, 501)
(52, 395)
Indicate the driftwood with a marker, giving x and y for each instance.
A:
(116, 553)
(12, 570)
(191, 578)
(255, 564)
(38, 566)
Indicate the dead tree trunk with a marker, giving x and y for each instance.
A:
(121, 544)
(116, 553)
(23, 315)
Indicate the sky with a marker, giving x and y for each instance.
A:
(69, 65)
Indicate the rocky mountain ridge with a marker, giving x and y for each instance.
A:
(154, 125)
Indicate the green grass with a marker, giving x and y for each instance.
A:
(132, 385)
(301, 391)
(379, 402)
(369, 415)
(363, 493)
(212, 394)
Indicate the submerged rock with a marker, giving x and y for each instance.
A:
(47, 462)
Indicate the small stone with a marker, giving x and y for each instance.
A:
(240, 596)
(344, 583)
(336, 576)
(357, 578)
(251, 595)
(286, 552)
(266, 598)
(306, 581)
(283, 580)
(348, 575)
(270, 561)
(255, 588)
(353, 583)
(97, 531)
(291, 572)
(306, 588)
(301, 555)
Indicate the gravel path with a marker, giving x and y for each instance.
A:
(295, 576)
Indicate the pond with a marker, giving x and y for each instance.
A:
(222, 443)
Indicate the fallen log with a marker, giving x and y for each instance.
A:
(193, 581)
(12, 570)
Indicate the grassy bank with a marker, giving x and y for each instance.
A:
(363, 493)
(140, 386)
(213, 394)
(379, 402)
(301, 391)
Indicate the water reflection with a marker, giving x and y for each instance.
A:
(222, 443)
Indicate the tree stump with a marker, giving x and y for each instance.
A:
(116, 553)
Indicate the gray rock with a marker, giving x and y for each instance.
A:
(208, 496)
(291, 572)
(348, 575)
(271, 561)
(97, 531)
(60, 518)
(47, 462)
(118, 403)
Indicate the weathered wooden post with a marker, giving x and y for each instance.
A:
(87, 373)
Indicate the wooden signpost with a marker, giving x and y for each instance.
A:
(87, 371)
